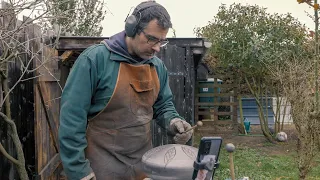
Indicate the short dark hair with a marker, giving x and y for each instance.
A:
(154, 12)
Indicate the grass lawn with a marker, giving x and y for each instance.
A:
(256, 164)
(259, 160)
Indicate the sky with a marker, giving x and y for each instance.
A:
(188, 14)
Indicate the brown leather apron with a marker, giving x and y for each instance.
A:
(120, 134)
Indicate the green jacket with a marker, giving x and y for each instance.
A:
(87, 91)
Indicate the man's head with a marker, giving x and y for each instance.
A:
(149, 34)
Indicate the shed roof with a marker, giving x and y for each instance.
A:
(69, 47)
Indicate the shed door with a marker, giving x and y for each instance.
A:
(175, 60)
(47, 99)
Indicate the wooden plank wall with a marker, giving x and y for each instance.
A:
(219, 114)
(180, 63)
(37, 125)
(21, 97)
(174, 58)
(47, 103)
(6, 168)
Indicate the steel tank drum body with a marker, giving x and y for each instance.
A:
(170, 162)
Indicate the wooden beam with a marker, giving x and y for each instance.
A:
(207, 85)
(50, 168)
(218, 122)
(214, 94)
(66, 55)
(215, 113)
(216, 103)
(215, 132)
(49, 116)
(81, 43)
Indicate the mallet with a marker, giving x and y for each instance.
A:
(199, 123)
(230, 148)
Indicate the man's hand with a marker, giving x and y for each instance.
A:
(178, 127)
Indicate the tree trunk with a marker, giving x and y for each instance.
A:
(241, 128)
(304, 159)
(277, 114)
(264, 128)
(284, 114)
(20, 161)
(265, 131)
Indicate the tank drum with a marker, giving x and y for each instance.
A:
(170, 162)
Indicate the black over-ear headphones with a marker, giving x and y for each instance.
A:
(132, 21)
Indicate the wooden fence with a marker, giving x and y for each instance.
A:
(216, 103)
(34, 101)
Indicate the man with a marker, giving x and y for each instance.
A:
(113, 92)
